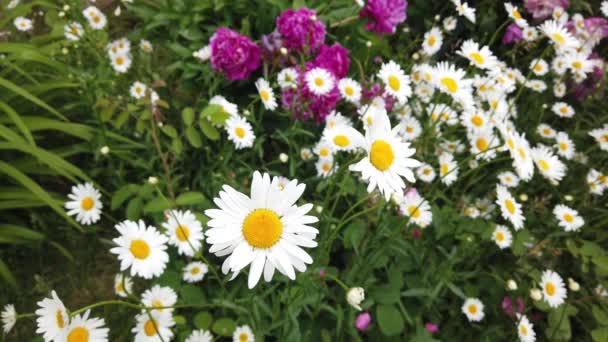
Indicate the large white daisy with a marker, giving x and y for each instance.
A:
(502, 236)
(52, 318)
(554, 289)
(85, 329)
(85, 203)
(417, 209)
(479, 57)
(548, 164)
(319, 81)
(525, 329)
(432, 41)
(343, 138)
(396, 82)
(350, 90)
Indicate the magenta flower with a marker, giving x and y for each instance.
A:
(383, 16)
(301, 30)
(431, 327)
(322, 272)
(507, 306)
(543, 9)
(334, 59)
(363, 321)
(594, 29)
(513, 34)
(416, 233)
(233, 54)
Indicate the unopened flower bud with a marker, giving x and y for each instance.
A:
(104, 150)
(355, 296)
(283, 158)
(152, 180)
(283, 51)
(368, 43)
(523, 197)
(536, 294)
(511, 285)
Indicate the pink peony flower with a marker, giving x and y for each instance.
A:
(233, 54)
(543, 9)
(507, 306)
(513, 34)
(431, 327)
(363, 321)
(384, 15)
(333, 58)
(299, 31)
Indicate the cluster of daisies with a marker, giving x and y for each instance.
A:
(237, 128)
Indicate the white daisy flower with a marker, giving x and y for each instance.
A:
(473, 309)
(121, 62)
(195, 272)
(12, 4)
(559, 15)
(425, 173)
(138, 90)
(145, 46)
(23, 24)
(53, 318)
(601, 136)
(319, 81)
(97, 20)
(123, 285)
(305, 154)
(564, 145)
(514, 14)
(559, 89)
(9, 318)
(525, 329)
(148, 327)
(424, 91)
(559, 36)
(604, 8)
(502, 236)
(83, 328)
(388, 159)
(481, 58)
(452, 81)
(185, 232)
(243, 333)
(508, 179)
(343, 138)
(519, 149)
(227, 106)
(597, 182)
(483, 144)
(442, 113)
(579, 63)
(350, 90)
(325, 167)
(433, 40)
(200, 336)
(539, 67)
(335, 119)
(396, 82)
(471, 212)
(464, 10)
(529, 33)
(449, 23)
(159, 297)
(369, 113)
(73, 31)
(287, 77)
(265, 230)
(240, 132)
(203, 54)
(476, 121)
(548, 164)
(85, 203)
(536, 85)
(141, 248)
(554, 289)
(266, 94)
(448, 168)
(323, 149)
(568, 218)
(409, 128)
(417, 209)
(509, 208)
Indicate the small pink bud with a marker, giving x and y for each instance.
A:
(431, 327)
(322, 272)
(411, 192)
(363, 321)
(416, 233)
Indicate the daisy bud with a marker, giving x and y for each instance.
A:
(283, 51)
(283, 158)
(511, 285)
(368, 43)
(313, 18)
(523, 197)
(64, 51)
(544, 106)
(294, 87)
(573, 285)
(473, 163)
(152, 180)
(246, 112)
(568, 198)
(437, 17)
(104, 150)
(319, 209)
(160, 124)
(536, 294)
(355, 296)
(406, 30)
(117, 11)
(61, 14)
(415, 56)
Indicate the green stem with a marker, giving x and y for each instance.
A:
(334, 278)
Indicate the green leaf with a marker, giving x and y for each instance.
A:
(385, 294)
(10, 233)
(190, 198)
(18, 121)
(203, 320)
(156, 205)
(134, 208)
(177, 146)
(600, 334)
(121, 195)
(29, 96)
(219, 118)
(191, 294)
(179, 320)
(7, 275)
(169, 131)
(208, 130)
(193, 137)
(170, 278)
(354, 233)
(188, 116)
(224, 327)
(210, 110)
(390, 320)
(600, 315)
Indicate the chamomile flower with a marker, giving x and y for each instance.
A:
(476, 120)
(185, 232)
(336, 119)
(451, 81)
(388, 159)
(83, 328)
(502, 236)
(243, 334)
(200, 336)
(559, 35)
(53, 318)
(343, 138)
(266, 230)
(123, 285)
(537, 85)
(138, 90)
(529, 33)
(149, 326)
(266, 94)
(121, 62)
(350, 90)
(227, 106)
(145, 46)
(159, 297)
(448, 168)
(305, 154)
(525, 329)
(464, 10)
(432, 41)
(515, 15)
(417, 209)
(509, 208)
(508, 179)
(409, 128)
(12, 4)
(97, 20)
(325, 166)
(195, 272)
(597, 182)
(483, 144)
(559, 89)
(568, 218)
(579, 63)
(426, 173)
(481, 58)
(449, 23)
(560, 15)
(548, 164)
(601, 136)
(323, 149)
(141, 248)
(539, 67)
(604, 8)
(520, 151)
(73, 31)
(564, 145)
(319, 81)
(554, 289)
(9, 318)
(442, 113)
(473, 309)
(287, 78)
(23, 24)
(396, 83)
(240, 132)
(85, 203)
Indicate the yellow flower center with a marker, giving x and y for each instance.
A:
(510, 206)
(140, 249)
(74, 30)
(472, 309)
(349, 90)
(568, 218)
(59, 318)
(96, 19)
(510, 143)
(369, 120)
(265, 95)
(157, 303)
(120, 288)
(324, 152)
(182, 233)
(326, 167)
(477, 121)
(120, 61)
(500, 236)
(516, 14)
(341, 140)
(150, 328)
(450, 84)
(508, 179)
(431, 40)
(262, 228)
(543, 165)
(243, 337)
(394, 83)
(538, 67)
(563, 146)
(547, 131)
(558, 38)
(426, 172)
(478, 58)
(481, 144)
(604, 138)
(409, 129)
(195, 270)
(577, 65)
(523, 330)
(443, 169)
(413, 211)
(550, 288)
(381, 155)
(522, 152)
(87, 203)
(319, 82)
(240, 132)
(78, 334)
